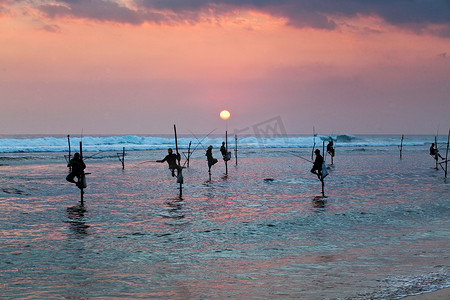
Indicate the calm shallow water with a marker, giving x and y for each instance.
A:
(382, 232)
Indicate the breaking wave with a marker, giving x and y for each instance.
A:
(133, 142)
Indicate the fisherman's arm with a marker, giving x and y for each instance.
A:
(163, 160)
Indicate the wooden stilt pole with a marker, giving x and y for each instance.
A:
(401, 146)
(226, 156)
(333, 152)
(68, 141)
(123, 158)
(321, 176)
(189, 154)
(323, 187)
(235, 148)
(70, 154)
(323, 151)
(81, 179)
(446, 153)
(314, 145)
(436, 155)
(179, 165)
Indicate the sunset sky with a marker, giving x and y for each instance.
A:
(140, 66)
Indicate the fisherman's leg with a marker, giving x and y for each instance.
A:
(79, 183)
(70, 178)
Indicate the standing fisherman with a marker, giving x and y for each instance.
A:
(171, 159)
(330, 148)
(223, 150)
(211, 160)
(318, 163)
(77, 166)
(317, 167)
(225, 153)
(320, 169)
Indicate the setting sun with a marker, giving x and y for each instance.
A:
(225, 114)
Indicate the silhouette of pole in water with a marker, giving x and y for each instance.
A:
(446, 156)
(226, 148)
(188, 156)
(314, 145)
(179, 170)
(70, 154)
(401, 146)
(323, 186)
(235, 148)
(82, 177)
(436, 156)
(446, 153)
(324, 168)
(122, 159)
(323, 150)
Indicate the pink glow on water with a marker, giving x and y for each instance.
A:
(238, 236)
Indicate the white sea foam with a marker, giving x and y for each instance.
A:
(133, 142)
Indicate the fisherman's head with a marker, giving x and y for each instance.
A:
(76, 156)
(223, 143)
(210, 147)
(169, 150)
(317, 152)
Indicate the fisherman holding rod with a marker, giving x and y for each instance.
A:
(435, 152)
(171, 159)
(319, 168)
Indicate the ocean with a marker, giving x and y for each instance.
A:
(262, 231)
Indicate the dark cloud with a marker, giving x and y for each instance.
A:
(416, 15)
(96, 10)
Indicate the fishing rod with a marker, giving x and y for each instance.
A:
(200, 141)
(314, 145)
(293, 153)
(147, 161)
(95, 154)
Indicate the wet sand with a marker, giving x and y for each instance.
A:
(437, 295)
